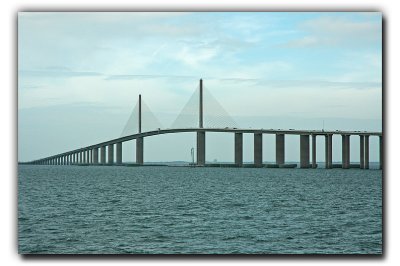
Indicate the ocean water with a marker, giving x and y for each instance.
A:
(175, 210)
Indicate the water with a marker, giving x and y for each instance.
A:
(170, 210)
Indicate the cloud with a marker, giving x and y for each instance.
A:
(132, 77)
(194, 57)
(56, 73)
(337, 31)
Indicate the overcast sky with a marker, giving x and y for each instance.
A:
(79, 75)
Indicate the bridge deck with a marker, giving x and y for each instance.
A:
(222, 130)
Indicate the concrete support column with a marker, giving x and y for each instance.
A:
(119, 153)
(328, 151)
(258, 149)
(111, 154)
(380, 152)
(314, 151)
(95, 156)
(366, 150)
(103, 154)
(239, 149)
(80, 157)
(345, 151)
(280, 149)
(362, 155)
(90, 155)
(139, 150)
(201, 148)
(304, 151)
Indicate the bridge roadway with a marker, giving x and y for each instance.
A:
(304, 145)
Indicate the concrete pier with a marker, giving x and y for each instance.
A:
(362, 153)
(314, 151)
(280, 148)
(110, 154)
(258, 149)
(304, 151)
(239, 149)
(201, 148)
(139, 151)
(95, 156)
(328, 151)
(366, 150)
(380, 152)
(119, 153)
(345, 151)
(103, 155)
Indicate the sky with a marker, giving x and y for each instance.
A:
(80, 74)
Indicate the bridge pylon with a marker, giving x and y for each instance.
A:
(201, 135)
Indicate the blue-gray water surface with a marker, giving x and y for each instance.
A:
(172, 210)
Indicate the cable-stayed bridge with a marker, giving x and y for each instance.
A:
(203, 114)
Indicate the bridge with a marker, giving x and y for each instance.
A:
(90, 154)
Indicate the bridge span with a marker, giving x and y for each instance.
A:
(90, 154)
